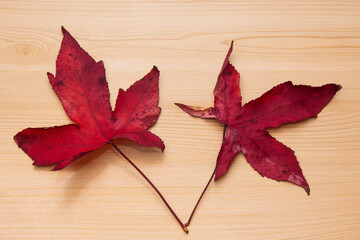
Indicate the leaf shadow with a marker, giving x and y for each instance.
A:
(157, 158)
(83, 173)
(144, 151)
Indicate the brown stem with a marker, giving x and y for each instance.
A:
(153, 186)
(202, 194)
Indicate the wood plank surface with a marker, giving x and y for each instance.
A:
(102, 197)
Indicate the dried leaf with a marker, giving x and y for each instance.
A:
(245, 126)
(81, 86)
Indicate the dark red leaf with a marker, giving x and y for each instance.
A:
(81, 86)
(245, 125)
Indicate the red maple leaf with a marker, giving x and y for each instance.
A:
(245, 125)
(82, 88)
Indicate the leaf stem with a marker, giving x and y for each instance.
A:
(153, 186)
(202, 194)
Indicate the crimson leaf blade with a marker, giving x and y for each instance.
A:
(245, 125)
(81, 86)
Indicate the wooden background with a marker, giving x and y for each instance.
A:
(102, 197)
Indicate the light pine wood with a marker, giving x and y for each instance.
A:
(102, 197)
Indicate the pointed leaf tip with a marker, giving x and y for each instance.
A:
(64, 31)
(226, 60)
(197, 111)
(155, 71)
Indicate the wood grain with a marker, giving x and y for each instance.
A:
(102, 197)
